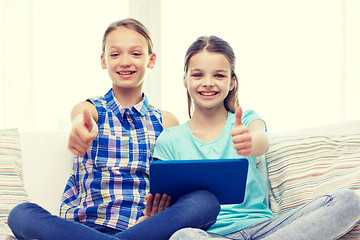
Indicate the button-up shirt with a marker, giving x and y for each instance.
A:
(108, 184)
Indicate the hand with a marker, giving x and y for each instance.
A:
(83, 132)
(155, 205)
(240, 135)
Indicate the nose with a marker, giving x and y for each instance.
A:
(208, 82)
(125, 60)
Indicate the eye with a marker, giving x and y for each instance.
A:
(137, 54)
(220, 75)
(197, 75)
(114, 55)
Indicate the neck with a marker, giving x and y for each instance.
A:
(128, 97)
(209, 116)
(208, 124)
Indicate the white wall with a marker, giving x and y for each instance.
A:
(50, 55)
(295, 59)
(351, 59)
(298, 61)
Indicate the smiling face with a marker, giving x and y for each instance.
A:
(208, 79)
(126, 58)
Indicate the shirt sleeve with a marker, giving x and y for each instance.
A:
(249, 116)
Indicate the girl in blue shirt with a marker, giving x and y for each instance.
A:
(219, 129)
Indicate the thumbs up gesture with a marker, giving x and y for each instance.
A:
(240, 135)
(84, 130)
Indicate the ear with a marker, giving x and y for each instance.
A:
(103, 62)
(185, 82)
(232, 84)
(152, 61)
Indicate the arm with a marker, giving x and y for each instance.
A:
(169, 120)
(80, 107)
(251, 140)
(84, 128)
(260, 141)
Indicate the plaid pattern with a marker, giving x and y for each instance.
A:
(109, 182)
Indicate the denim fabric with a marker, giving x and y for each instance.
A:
(327, 217)
(196, 209)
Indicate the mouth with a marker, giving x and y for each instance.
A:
(125, 73)
(208, 93)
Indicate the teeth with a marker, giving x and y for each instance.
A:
(208, 93)
(125, 73)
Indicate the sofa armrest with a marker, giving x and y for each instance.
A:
(47, 164)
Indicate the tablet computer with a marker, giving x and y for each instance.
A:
(226, 178)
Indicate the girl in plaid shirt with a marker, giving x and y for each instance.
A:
(113, 137)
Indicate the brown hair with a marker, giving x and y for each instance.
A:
(133, 24)
(217, 45)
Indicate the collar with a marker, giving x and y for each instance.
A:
(140, 108)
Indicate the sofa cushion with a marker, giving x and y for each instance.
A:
(45, 155)
(12, 191)
(308, 163)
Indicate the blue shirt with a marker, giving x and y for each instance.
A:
(108, 184)
(179, 143)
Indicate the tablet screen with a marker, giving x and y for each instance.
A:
(226, 178)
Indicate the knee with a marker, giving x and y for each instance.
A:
(205, 200)
(347, 196)
(190, 233)
(349, 199)
(19, 213)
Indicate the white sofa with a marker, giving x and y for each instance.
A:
(47, 164)
(301, 165)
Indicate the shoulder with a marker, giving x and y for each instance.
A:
(84, 106)
(169, 119)
(253, 118)
(174, 131)
(172, 134)
(168, 142)
(248, 116)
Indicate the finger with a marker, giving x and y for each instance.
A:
(241, 138)
(162, 202)
(242, 146)
(74, 151)
(149, 204)
(80, 139)
(155, 204)
(77, 146)
(87, 120)
(238, 115)
(142, 218)
(77, 151)
(244, 152)
(81, 135)
(168, 202)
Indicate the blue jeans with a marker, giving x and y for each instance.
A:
(327, 217)
(198, 209)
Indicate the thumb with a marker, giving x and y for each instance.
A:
(238, 115)
(88, 120)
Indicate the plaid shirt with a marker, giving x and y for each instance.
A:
(109, 182)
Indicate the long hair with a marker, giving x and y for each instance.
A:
(217, 45)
